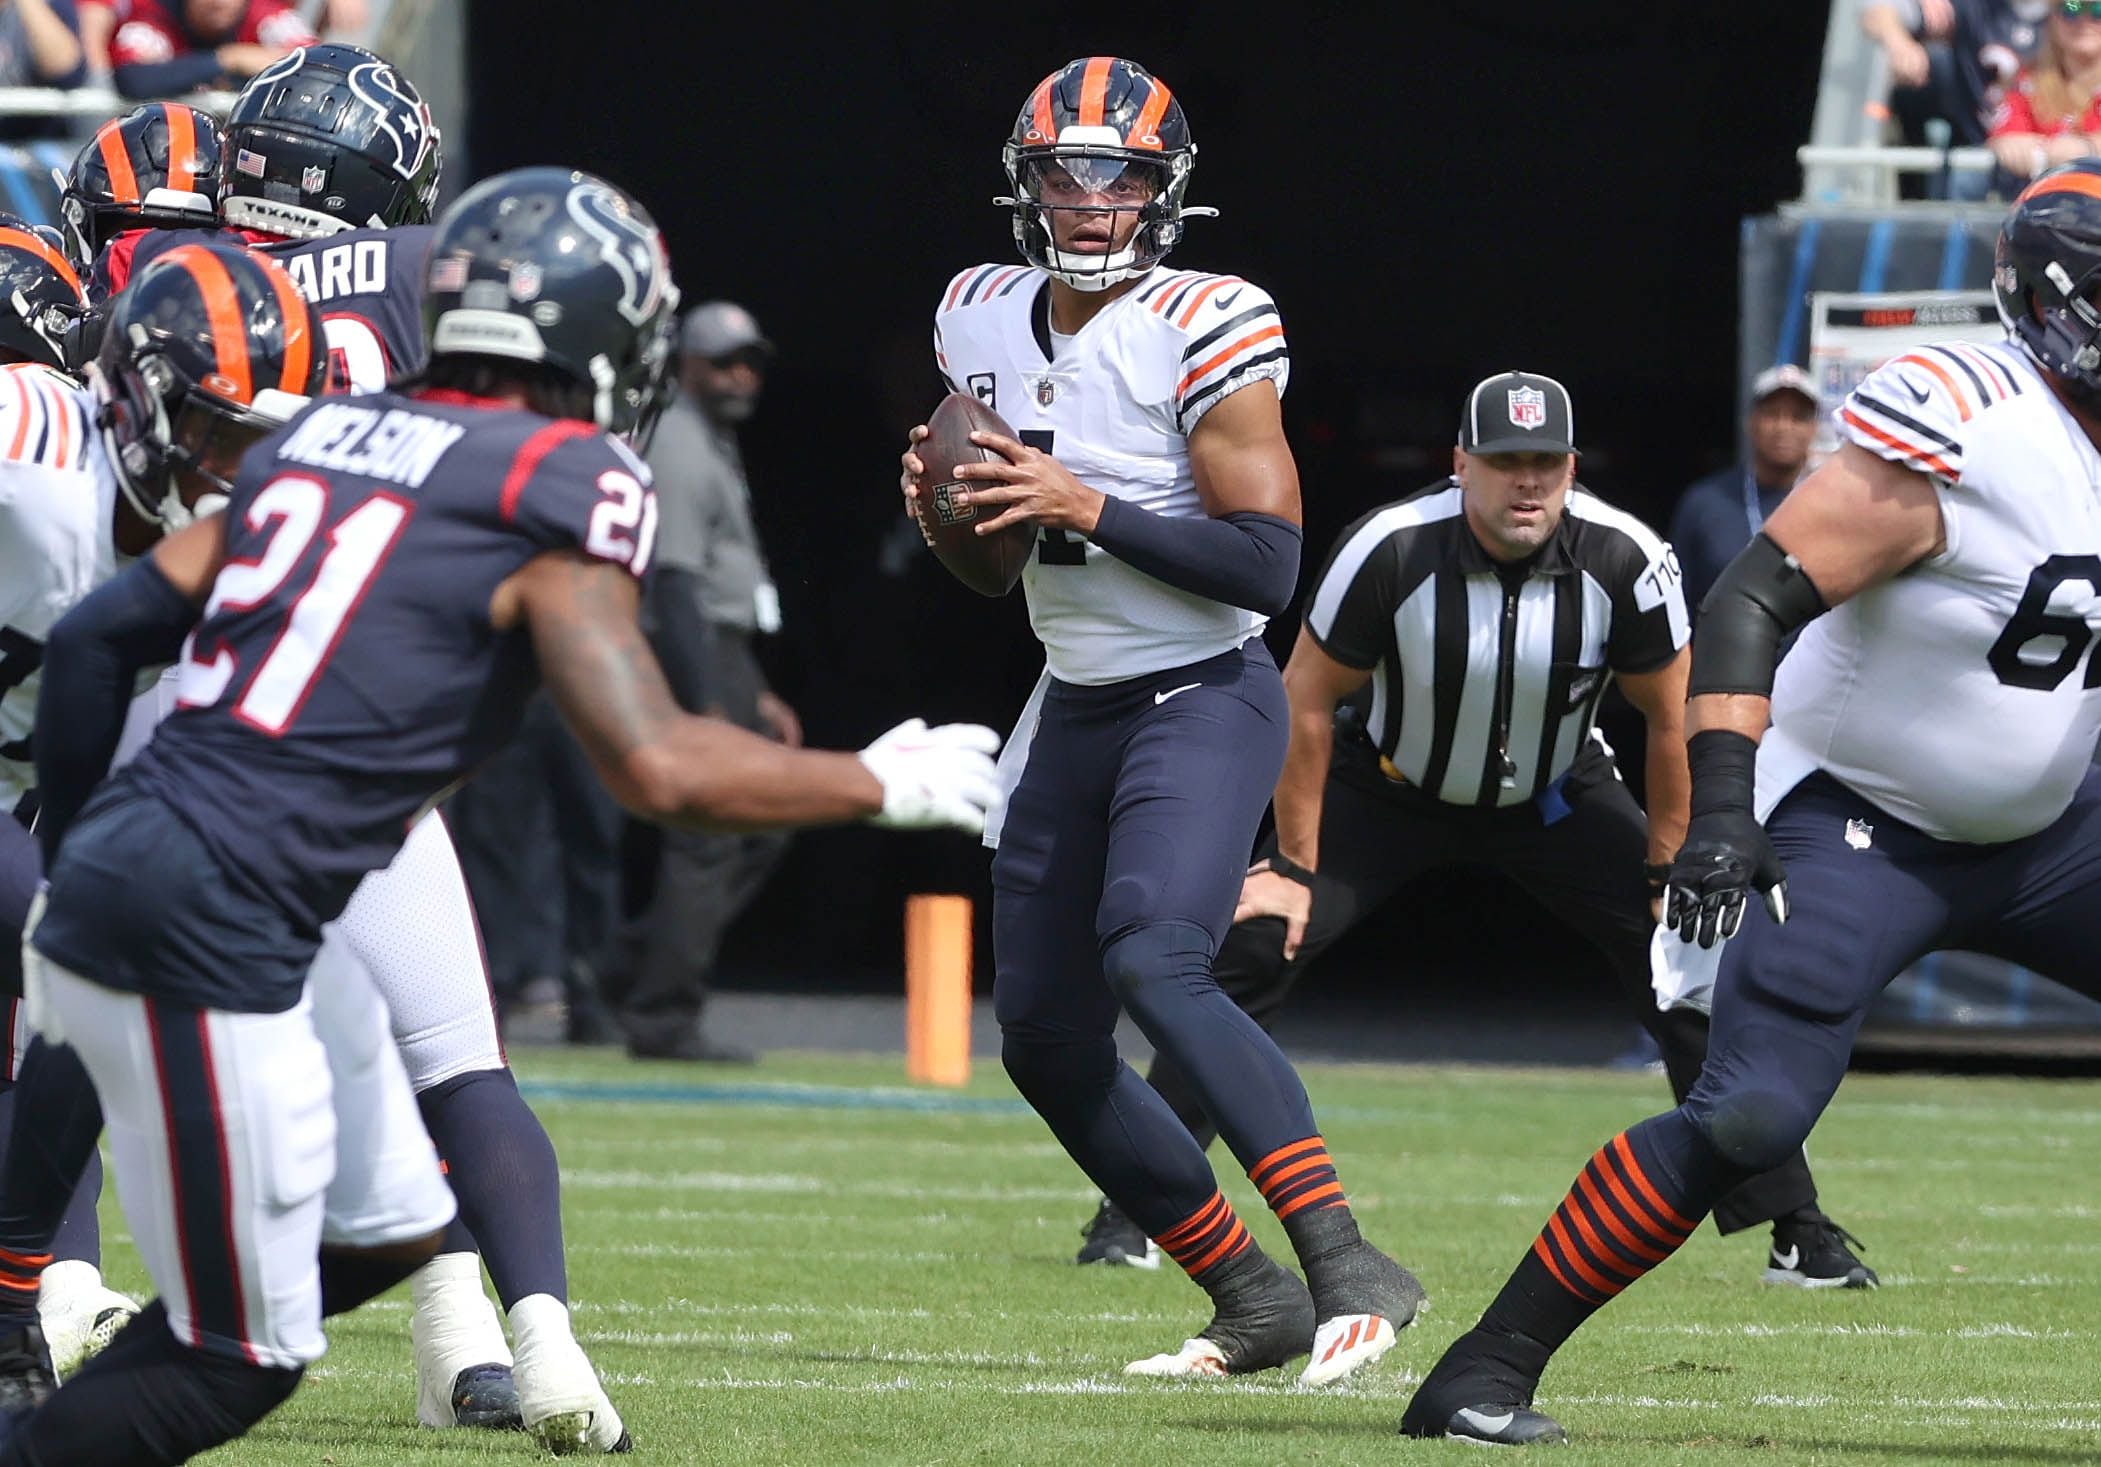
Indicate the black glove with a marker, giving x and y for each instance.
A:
(1725, 855)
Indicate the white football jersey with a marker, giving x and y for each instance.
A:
(56, 499)
(1115, 403)
(1964, 695)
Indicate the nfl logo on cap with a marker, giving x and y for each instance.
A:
(1528, 407)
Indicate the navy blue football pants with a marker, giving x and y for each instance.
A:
(1118, 869)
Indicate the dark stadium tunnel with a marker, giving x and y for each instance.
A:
(1432, 196)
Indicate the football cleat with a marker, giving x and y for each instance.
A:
(1113, 1238)
(1365, 1300)
(26, 1376)
(559, 1395)
(1259, 1326)
(1810, 1251)
(79, 1314)
(485, 1396)
(1481, 1392)
(463, 1365)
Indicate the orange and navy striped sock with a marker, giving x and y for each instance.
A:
(21, 1274)
(1614, 1225)
(1298, 1182)
(1208, 1238)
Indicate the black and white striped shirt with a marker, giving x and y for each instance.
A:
(1486, 677)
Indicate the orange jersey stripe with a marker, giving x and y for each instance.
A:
(1962, 404)
(1305, 1200)
(1094, 91)
(222, 307)
(1671, 1217)
(23, 397)
(1264, 334)
(182, 147)
(1204, 295)
(22, 239)
(2068, 183)
(1909, 450)
(1145, 132)
(299, 341)
(1283, 1154)
(123, 182)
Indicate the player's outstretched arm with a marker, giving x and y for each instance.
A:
(686, 769)
(1660, 695)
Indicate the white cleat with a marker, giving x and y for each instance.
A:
(1346, 1344)
(79, 1313)
(1196, 1357)
(559, 1395)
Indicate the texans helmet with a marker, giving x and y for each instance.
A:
(1100, 135)
(209, 341)
(2047, 275)
(41, 301)
(156, 167)
(329, 138)
(560, 268)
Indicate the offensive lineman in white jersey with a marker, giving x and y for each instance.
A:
(1927, 777)
(1152, 457)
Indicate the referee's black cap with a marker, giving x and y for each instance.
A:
(1518, 412)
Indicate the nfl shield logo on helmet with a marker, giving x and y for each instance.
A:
(1528, 407)
(312, 180)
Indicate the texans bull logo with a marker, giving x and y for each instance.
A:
(630, 246)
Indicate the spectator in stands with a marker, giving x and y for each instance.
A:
(2052, 114)
(40, 44)
(161, 48)
(1717, 516)
(708, 601)
(1977, 48)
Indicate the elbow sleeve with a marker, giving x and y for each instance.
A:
(1762, 598)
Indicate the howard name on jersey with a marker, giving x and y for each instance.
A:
(367, 282)
(345, 673)
(56, 500)
(1115, 403)
(1964, 695)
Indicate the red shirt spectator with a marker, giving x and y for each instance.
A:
(164, 47)
(2052, 114)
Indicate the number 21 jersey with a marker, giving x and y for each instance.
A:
(1963, 695)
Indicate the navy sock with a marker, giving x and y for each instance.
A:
(1119, 1131)
(350, 1276)
(503, 1171)
(148, 1400)
(50, 1173)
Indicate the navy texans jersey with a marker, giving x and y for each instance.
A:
(345, 674)
(368, 284)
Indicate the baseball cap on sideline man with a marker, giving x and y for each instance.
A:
(1518, 412)
(1787, 377)
(717, 329)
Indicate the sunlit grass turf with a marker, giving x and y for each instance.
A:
(852, 1282)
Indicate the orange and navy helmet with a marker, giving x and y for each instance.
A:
(1099, 135)
(156, 167)
(208, 348)
(40, 296)
(2047, 275)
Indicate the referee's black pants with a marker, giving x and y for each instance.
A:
(1585, 868)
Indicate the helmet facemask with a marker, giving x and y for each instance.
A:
(1109, 183)
(2056, 321)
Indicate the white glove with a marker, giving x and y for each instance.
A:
(934, 776)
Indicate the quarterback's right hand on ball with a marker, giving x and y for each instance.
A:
(935, 776)
(1725, 856)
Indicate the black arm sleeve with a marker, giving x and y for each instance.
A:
(91, 664)
(679, 633)
(1762, 598)
(1243, 559)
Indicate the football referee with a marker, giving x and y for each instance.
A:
(1488, 613)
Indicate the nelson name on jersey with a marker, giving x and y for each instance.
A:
(394, 444)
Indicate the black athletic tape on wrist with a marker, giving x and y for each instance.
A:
(1290, 870)
(1724, 771)
(1760, 599)
(1657, 874)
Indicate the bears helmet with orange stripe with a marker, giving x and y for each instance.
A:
(2047, 275)
(329, 138)
(1099, 134)
(560, 270)
(40, 296)
(156, 167)
(207, 349)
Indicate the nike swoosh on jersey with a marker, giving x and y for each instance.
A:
(1789, 1259)
(1224, 299)
(1482, 1422)
(1159, 698)
(1916, 394)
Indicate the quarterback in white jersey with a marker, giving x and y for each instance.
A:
(1926, 781)
(1149, 452)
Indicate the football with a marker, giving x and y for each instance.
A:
(988, 564)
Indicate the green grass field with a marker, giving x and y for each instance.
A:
(803, 1265)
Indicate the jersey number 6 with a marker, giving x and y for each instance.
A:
(2033, 618)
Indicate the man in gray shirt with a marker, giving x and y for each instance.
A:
(708, 599)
